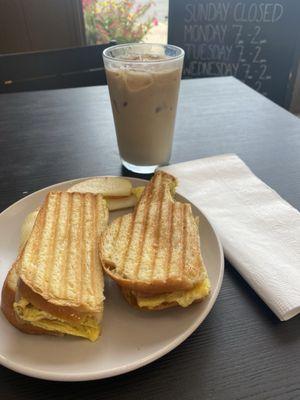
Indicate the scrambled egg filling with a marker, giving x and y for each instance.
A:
(87, 328)
(183, 298)
(137, 191)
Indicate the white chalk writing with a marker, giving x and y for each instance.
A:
(257, 30)
(205, 33)
(206, 51)
(211, 68)
(206, 12)
(228, 38)
(253, 12)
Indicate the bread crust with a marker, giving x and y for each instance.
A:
(7, 301)
(153, 287)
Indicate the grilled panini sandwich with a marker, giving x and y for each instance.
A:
(58, 275)
(154, 252)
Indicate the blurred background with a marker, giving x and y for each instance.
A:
(256, 41)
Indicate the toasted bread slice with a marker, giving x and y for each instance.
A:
(108, 186)
(60, 286)
(156, 249)
(117, 191)
(59, 260)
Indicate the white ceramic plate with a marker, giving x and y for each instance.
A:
(130, 338)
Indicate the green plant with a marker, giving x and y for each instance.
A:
(124, 21)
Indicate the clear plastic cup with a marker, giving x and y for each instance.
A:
(143, 81)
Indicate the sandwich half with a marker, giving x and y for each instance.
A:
(57, 279)
(154, 253)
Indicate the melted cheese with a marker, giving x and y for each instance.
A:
(183, 298)
(87, 328)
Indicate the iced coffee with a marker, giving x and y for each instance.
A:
(143, 87)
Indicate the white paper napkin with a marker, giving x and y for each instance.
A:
(260, 231)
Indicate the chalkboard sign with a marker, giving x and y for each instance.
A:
(255, 41)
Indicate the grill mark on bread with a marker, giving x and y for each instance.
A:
(149, 241)
(82, 241)
(168, 260)
(50, 258)
(148, 199)
(164, 232)
(54, 289)
(35, 248)
(74, 232)
(63, 287)
(93, 256)
(118, 231)
(45, 245)
(31, 245)
(115, 240)
(101, 218)
(100, 215)
(104, 221)
(116, 237)
(130, 234)
(88, 215)
(184, 238)
(97, 216)
(123, 225)
(143, 198)
(181, 215)
(158, 229)
(142, 238)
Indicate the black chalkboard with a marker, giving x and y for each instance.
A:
(255, 41)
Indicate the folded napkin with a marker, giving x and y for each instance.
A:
(260, 231)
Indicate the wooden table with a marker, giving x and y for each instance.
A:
(241, 351)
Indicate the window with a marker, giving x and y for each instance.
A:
(125, 21)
